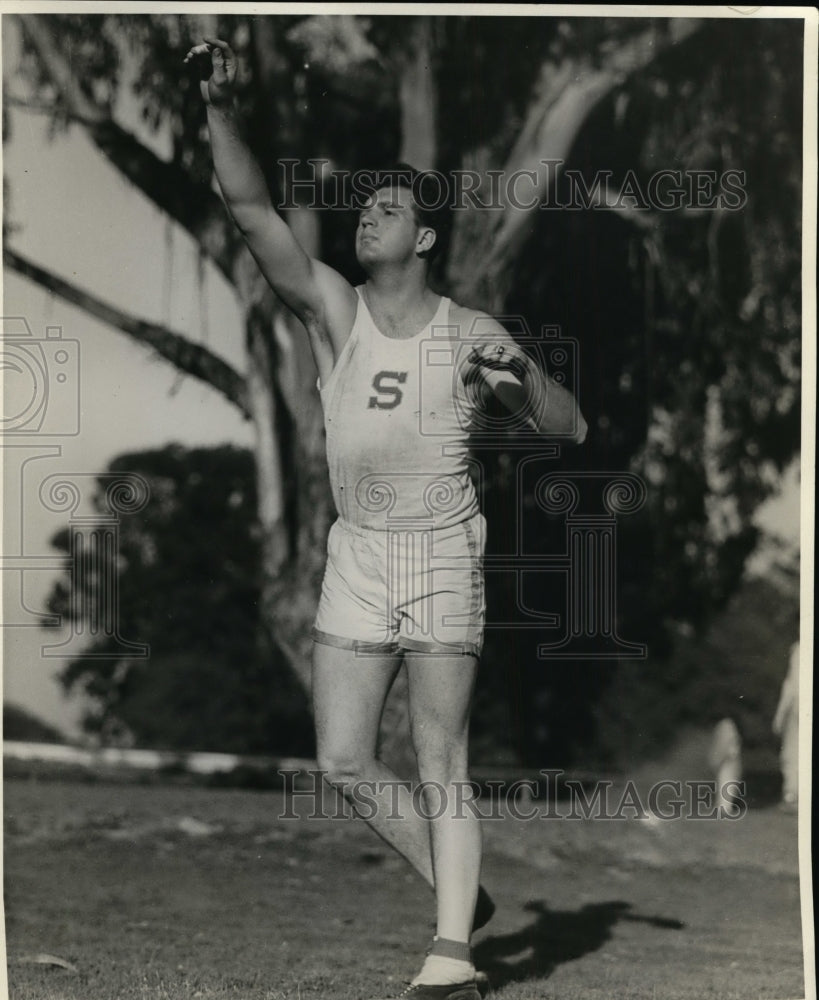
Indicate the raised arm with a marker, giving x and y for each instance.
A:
(317, 294)
(517, 381)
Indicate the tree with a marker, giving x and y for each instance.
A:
(189, 572)
(706, 303)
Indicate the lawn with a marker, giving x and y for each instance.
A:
(178, 892)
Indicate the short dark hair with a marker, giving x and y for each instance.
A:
(429, 192)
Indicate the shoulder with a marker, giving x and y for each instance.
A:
(474, 322)
(490, 351)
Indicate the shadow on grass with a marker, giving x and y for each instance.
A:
(553, 937)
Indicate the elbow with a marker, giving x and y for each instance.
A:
(568, 435)
(251, 216)
(580, 431)
(248, 219)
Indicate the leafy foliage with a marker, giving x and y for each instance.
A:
(189, 570)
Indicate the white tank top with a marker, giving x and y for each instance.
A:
(397, 419)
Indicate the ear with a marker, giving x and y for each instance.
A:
(426, 241)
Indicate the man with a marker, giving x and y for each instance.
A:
(403, 579)
(786, 725)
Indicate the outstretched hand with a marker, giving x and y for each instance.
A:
(217, 89)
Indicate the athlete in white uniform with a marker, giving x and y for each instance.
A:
(403, 579)
(403, 568)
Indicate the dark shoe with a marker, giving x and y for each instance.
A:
(457, 991)
(484, 908)
(482, 982)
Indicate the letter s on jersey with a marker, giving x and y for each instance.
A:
(389, 396)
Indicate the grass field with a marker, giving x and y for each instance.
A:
(179, 893)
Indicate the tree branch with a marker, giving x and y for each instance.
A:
(194, 359)
(607, 198)
(564, 97)
(193, 204)
(35, 107)
(555, 119)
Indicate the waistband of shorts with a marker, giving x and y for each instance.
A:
(401, 644)
(403, 527)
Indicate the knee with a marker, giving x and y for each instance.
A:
(342, 768)
(441, 757)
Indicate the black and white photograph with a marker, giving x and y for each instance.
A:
(408, 463)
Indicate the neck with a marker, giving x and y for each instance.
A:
(401, 287)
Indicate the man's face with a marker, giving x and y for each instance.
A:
(387, 228)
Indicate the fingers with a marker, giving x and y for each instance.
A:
(197, 50)
(500, 357)
(208, 46)
(220, 46)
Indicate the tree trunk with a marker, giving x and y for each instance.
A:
(300, 431)
(417, 97)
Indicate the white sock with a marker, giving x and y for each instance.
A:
(440, 971)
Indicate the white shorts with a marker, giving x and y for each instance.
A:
(419, 590)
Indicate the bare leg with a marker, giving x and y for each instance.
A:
(440, 690)
(349, 691)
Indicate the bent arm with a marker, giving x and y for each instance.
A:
(521, 385)
(559, 416)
